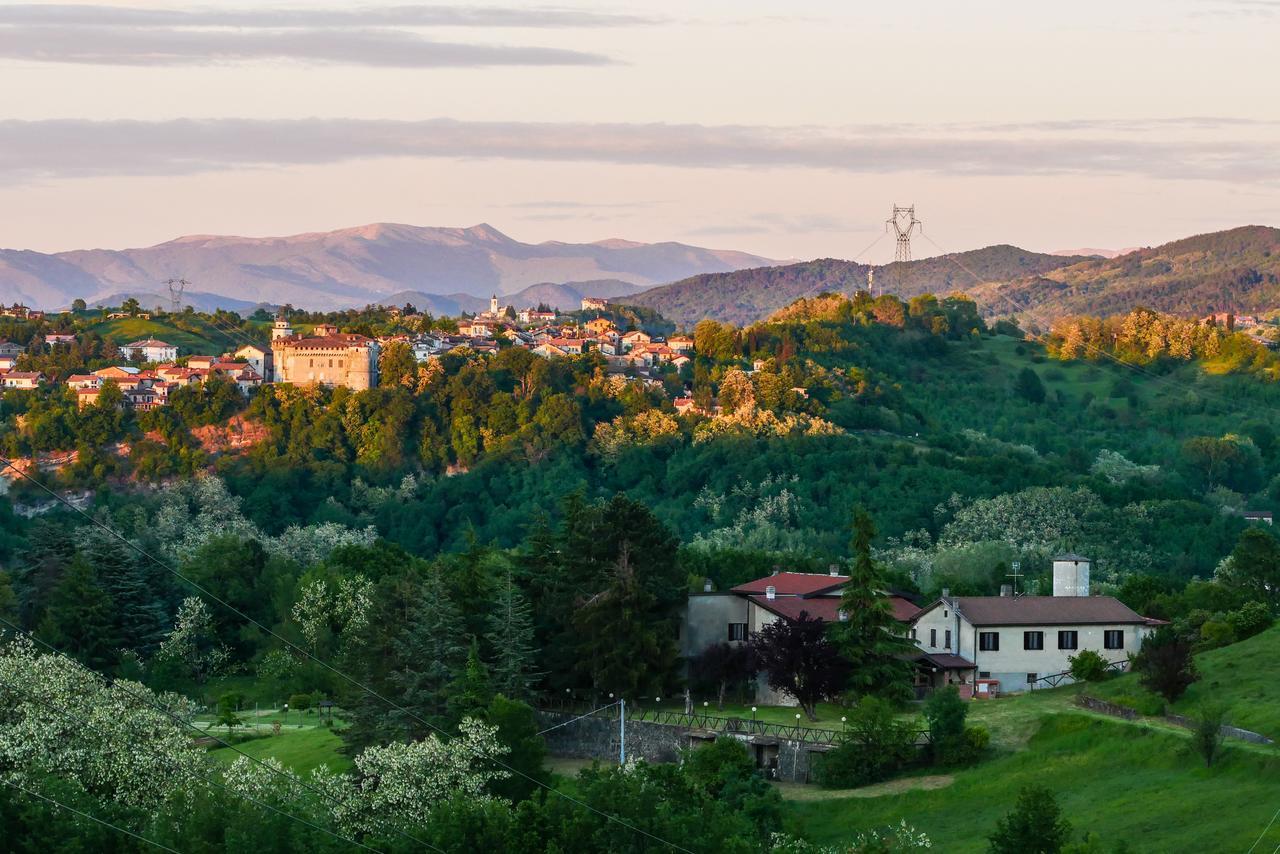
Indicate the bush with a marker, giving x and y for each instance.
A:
(1207, 735)
(950, 742)
(875, 746)
(1035, 826)
(1214, 634)
(1164, 664)
(1088, 666)
(301, 702)
(1251, 619)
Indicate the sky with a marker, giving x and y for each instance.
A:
(784, 129)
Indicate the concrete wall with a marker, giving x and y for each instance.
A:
(597, 738)
(707, 618)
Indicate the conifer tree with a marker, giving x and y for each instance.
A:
(870, 639)
(79, 620)
(470, 693)
(510, 636)
(140, 617)
(429, 653)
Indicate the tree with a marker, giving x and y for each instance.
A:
(1088, 665)
(192, 647)
(1035, 826)
(396, 365)
(429, 654)
(227, 706)
(1207, 737)
(1028, 386)
(945, 713)
(721, 665)
(510, 636)
(131, 307)
(870, 639)
(799, 658)
(78, 304)
(80, 618)
(518, 726)
(1165, 664)
(470, 694)
(621, 647)
(874, 746)
(1253, 567)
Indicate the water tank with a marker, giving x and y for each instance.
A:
(1071, 575)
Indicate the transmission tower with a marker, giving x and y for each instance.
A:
(904, 223)
(176, 289)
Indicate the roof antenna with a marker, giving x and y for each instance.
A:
(1015, 575)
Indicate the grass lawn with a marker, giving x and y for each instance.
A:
(202, 337)
(1245, 676)
(1121, 781)
(300, 749)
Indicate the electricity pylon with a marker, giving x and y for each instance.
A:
(904, 223)
(176, 288)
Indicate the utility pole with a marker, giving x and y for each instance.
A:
(904, 223)
(622, 733)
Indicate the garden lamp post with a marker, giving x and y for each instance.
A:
(286, 714)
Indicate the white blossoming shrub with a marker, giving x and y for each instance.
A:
(903, 837)
(58, 718)
(1116, 468)
(404, 782)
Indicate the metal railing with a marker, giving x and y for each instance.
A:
(1054, 680)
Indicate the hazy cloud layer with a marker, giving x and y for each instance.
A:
(417, 15)
(72, 147)
(370, 47)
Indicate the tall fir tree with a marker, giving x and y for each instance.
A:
(79, 619)
(624, 646)
(141, 620)
(510, 636)
(471, 692)
(870, 639)
(430, 652)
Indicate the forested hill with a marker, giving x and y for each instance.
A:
(1236, 270)
(746, 296)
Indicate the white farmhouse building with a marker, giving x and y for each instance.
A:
(1020, 640)
(151, 350)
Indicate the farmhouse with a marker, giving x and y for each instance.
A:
(1011, 643)
(733, 616)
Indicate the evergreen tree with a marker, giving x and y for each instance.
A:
(470, 693)
(1035, 826)
(429, 655)
(510, 636)
(141, 620)
(869, 637)
(623, 646)
(79, 619)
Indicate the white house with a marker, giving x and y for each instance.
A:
(1019, 640)
(152, 350)
(258, 358)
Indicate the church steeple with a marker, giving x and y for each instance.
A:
(493, 305)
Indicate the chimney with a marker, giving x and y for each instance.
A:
(946, 593)
(771, 592)
(776, 569)
(706, 585)
(1006, 590)
(833, 569)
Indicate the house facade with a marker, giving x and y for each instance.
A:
(331, 359)
(152, 350)
(1019, 640)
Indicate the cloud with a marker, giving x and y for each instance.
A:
(382, 48)
(74, 147)
(70, 14)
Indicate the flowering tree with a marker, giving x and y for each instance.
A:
(193, 644)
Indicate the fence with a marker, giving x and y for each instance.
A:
(1064, 678)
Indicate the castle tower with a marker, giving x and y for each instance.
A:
(281, 328)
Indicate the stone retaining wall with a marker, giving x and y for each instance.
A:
(597, 738)
(1116, 710)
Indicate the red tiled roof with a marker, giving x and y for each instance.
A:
(792, 583)
(904, 610)
(327, 342)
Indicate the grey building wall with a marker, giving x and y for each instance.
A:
(707, 618)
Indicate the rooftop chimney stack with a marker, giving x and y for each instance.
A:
(946, 594)
(833, 569)
(706, 585)
(771, 592)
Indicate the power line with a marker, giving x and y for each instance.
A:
(142, 698)
(89, 724)
(93, 818)
(1264, 833)
(578, 718)
(330, 668)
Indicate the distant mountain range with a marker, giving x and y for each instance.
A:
(353, 267)
(1236, 270)
(746, 296)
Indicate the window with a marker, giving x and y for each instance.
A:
(947, 642)
(944, 613)
(1032, 677)
(984, 674)
(1113, 639)
(933, 638)
(989, 641)
(737, 631)
(311, 363)
(913, 634)
(1033, 640)
(331, 363)
(1068, 640)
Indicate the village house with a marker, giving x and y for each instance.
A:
(22, 379)
(201, 363)
(594, 304)
(1261, 516)
(151, 350)
(79, 381)
(634, 337)
(8, 363)
(599, 325)
(680, 343)
(733, 616)
(55, 338)
(258, 358)
(478, 328)
(532, 315)
(8, 348)
(1007, 643)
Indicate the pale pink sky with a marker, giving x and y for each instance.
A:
(786, 129)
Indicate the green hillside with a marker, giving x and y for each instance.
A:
(745, 296)
(191, 335)
(1244, 676)
(1236, 270)
(1115, 779)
